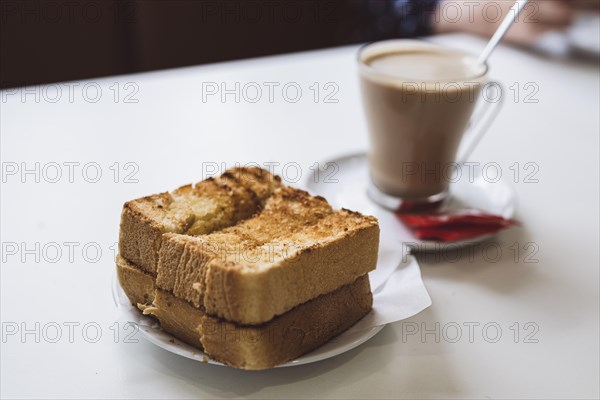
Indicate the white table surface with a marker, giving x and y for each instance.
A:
(170, 132)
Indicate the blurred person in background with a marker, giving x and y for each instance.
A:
(49, 41)
(407, 18)
(539, 17)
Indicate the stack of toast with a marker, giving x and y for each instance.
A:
(253, 272)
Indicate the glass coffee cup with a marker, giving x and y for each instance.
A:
(419, 100)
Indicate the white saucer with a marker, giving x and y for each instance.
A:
(150, 330)
(344, 181)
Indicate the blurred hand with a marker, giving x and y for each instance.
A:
(484, 16)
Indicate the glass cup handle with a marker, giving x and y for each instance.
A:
(480, 123)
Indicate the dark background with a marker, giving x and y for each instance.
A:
(52, 41)
(44, 41)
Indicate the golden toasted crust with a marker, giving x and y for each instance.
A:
(209, 205)
(142, 225)
(296, 249)
(285, 338)
(138, 285)
(176, 317)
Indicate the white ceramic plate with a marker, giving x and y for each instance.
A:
(150, 330)
(344, 181)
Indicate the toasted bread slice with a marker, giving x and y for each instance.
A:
(294, 250)
(193, 210)
(285, 338)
